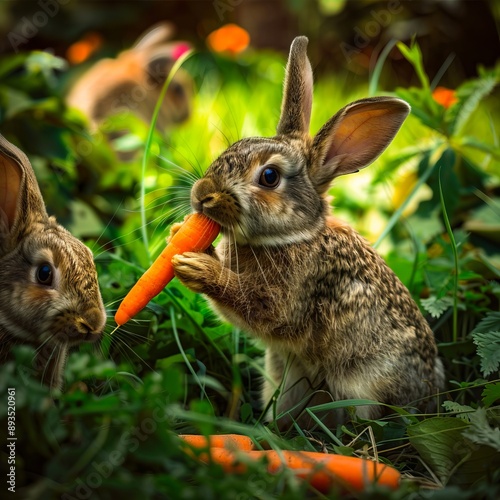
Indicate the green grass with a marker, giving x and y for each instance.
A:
(177, 368)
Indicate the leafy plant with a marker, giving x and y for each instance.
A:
(178, 368)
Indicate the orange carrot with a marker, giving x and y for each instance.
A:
(195, 235)
(320, 469)
(228, 441)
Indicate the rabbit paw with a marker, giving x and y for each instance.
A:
(175, 227)
(197, 271)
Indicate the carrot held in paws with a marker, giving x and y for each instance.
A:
(195, 235)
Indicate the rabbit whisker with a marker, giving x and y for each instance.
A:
(197, 169)
(182, 172)
(121, 344)
(231, 114)
(46, 367)
(104, 230)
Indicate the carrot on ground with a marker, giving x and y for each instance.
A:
(228, 441)
(195, 235)
(322, 470)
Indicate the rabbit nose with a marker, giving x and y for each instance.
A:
(83, 327)
(202, 194)
(91, 325)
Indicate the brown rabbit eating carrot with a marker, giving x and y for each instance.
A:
(337, 322)
(49, 294)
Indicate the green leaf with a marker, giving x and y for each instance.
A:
(413, 55)
(488, 348)
(491, 394)
(472, 142)
(95, 405)
(440, 443)
(423, 106)
(479, 464)
(15, 102)
(486, 336)
(481, 432)
(437, 306)
(469, 96)
(462, 411)
(490, 322)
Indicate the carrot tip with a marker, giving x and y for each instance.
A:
(195, 235)
(121, 317)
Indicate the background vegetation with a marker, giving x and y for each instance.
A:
(430, 204)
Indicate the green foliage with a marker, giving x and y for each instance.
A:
(440, 443)
(486, 336)
(177, 368)
(457, 450)
(481, 431)
(469, 95)
(462, 411)
(491, 394)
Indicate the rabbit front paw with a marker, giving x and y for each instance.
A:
(197, 271)
(175, 227)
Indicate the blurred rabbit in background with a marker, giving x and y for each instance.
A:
(132, 82)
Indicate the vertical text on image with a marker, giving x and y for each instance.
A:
(11, 439)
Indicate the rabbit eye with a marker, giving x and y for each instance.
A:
(44, 274)
(177, 89)
(270, 177)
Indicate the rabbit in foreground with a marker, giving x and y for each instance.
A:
(337, 322)
(133, 82)
(49, 295)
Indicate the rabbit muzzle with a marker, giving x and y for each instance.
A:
(90, 327)
(73, 328)
(218, 204)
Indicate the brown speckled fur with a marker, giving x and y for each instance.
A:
(337, 322)
(50, 318)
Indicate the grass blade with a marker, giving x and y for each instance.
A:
(398, 213)
(147, 146)
(450, 157)
(372, 89)
(185, 358)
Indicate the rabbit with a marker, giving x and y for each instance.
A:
(133, 82)
(335, 320)
(49, 294)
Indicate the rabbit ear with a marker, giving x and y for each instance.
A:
(159, 33)
(297, 93)
(20, 197)
(355, 137)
